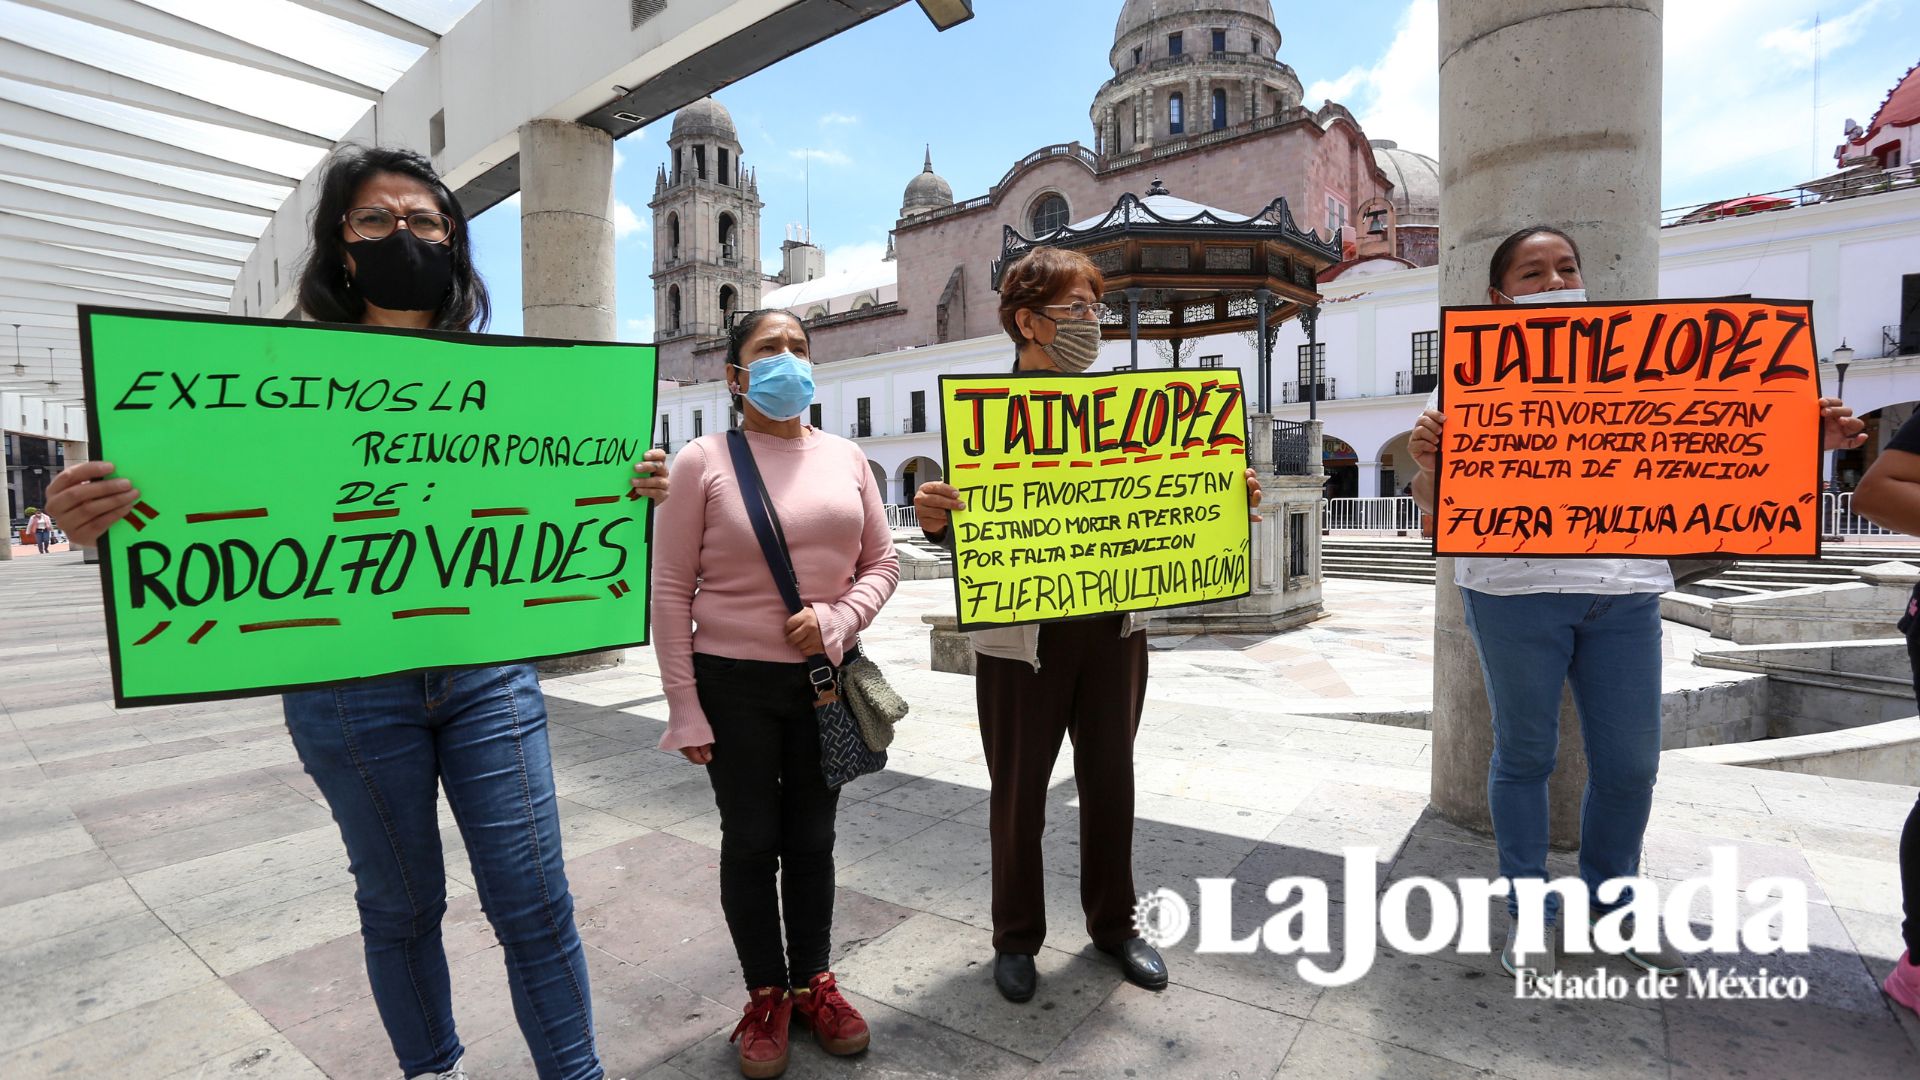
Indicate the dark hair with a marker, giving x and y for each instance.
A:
(744, 324)
(1037, 278)
(325, 293)
(1503, 255)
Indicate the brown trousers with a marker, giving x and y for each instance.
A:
(1090, 687)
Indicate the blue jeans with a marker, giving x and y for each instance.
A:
(379, 750)
(1608, 647)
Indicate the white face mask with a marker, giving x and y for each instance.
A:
(1556, 296)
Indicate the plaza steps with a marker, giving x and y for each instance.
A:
(1410, 560)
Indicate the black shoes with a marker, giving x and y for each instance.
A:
(1013, 973)
(1141, 964)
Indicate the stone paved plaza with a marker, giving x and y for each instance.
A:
(175, 900)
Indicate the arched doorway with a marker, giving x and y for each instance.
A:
(1343, 468)
(880, 481)
(916, 471)
(1397, 469)
(1848, 466)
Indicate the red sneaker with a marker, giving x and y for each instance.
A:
(835, 1022)
(762, 1033)
(1903, 983)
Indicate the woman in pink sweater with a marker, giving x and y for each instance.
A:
(733, 664)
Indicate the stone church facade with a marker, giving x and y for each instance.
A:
(1198, 100)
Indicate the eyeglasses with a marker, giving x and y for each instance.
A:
(1081, 310)
(374, 223)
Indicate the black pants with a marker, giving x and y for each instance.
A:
(1090, 688)
(776, 816)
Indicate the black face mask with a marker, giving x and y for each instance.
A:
(401, 273)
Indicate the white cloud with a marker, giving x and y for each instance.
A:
(855, 258)
(838, 119)
(1398, 97)
(1739, 113)
(626, 222)
(637, 330)
(512, 200)
(1795, 43)
(619, 159)
(825, 157)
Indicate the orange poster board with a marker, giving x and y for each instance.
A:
(1655, 429)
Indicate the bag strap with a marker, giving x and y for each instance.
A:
(773, 545)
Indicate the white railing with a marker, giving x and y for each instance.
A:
(1838, 519)
(1373, 515)
(901, 517)
(1400, 514)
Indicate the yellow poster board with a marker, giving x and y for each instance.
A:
(1095, 494)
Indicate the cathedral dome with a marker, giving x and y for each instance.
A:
(926, 192)
(1416, 182)
(1135, 14)
(705, 117)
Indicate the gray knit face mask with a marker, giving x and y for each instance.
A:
(1075, 344)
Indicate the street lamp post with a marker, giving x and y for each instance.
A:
(1841, 357)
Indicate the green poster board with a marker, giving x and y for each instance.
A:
(323, 502)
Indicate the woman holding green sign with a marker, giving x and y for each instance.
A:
(1084, 679)
(390, 248)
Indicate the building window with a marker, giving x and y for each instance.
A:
(699, 424)
(863, 422)
(813, 414)
(1336, 215)
(1296, 545)
(1256, 46)
(673, 237)
(1049, 213)
(673, 309)
(1313, 369)
(1210, 361)
(700, 162)
(1219, 109)
(918, 421)
(678, 161)
(729, 245)
(1426, 360)
(1219, 41)
(727, 301)
(666, 442)
(1175, 44)
(1176, 114)
(1136, 55)
(722, 151)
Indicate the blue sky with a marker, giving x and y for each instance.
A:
(859, 109)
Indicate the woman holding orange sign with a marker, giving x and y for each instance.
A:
(1540, 624)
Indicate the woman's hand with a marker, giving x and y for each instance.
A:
(1253, 494)
(652, 481)
(803, 633)
(1839, 428)
(699, 755)
(934, 503)
(83, 502)
(1424, 443)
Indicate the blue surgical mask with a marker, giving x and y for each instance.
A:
(781, 387)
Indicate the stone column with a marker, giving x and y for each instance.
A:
(1549, 114)
(566, 231)
(76, 453)
(1367, 480)
(566, 256)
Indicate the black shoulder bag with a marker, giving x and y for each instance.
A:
(844, 755)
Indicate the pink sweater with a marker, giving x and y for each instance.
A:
(708, 569)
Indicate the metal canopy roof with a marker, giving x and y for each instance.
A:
(146, 144)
